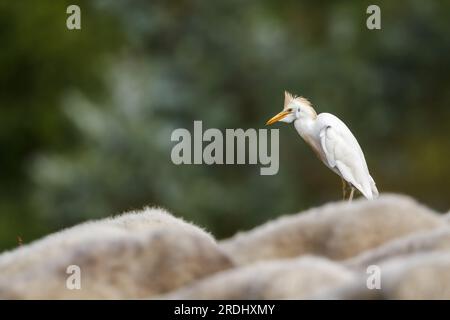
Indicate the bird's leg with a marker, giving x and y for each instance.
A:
(351, 194)
(344, 187)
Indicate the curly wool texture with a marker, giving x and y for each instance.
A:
(417, 276)
(337, 230)
(282, 279)
(135, 255)
(421, 242)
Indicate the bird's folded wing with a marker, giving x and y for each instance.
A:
(339, 155)
(326, 147)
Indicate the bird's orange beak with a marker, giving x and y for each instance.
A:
(278, 117)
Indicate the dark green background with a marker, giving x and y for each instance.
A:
(86, 116)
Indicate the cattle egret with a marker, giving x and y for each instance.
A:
(333, 143)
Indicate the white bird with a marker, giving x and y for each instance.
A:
(332, 141)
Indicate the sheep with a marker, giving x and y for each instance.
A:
(426, 241)
(337, 230)
(279, 279)
(321, 253)
(138, 254)
(417, 276)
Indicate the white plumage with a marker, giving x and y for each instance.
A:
(332, 141)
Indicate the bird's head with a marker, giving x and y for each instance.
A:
(294, 108)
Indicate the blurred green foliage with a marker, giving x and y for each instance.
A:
(86, 116)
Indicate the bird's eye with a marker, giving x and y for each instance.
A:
(289, 110)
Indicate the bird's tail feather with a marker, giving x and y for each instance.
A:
(374, 188)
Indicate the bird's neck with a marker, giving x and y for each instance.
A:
(305, 126)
